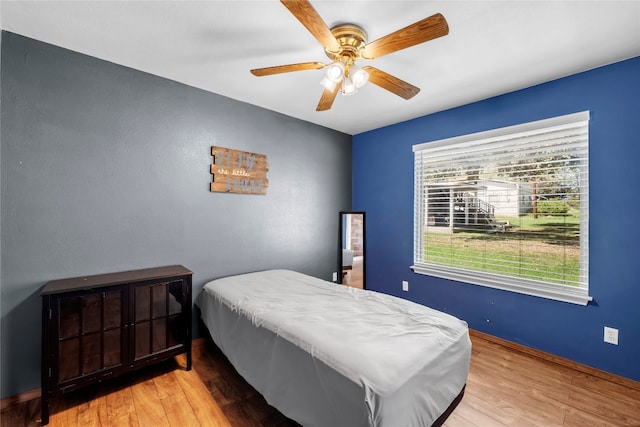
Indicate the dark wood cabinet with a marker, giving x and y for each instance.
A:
(98, 327)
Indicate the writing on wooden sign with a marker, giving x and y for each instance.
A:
(238, 171)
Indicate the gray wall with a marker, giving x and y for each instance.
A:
(106, 169)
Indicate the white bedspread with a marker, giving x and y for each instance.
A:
(380, 342)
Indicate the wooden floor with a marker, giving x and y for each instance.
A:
(510, 388)
(505, 388)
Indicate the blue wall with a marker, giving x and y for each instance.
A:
(383, 187)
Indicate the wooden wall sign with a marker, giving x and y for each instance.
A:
(238, 171)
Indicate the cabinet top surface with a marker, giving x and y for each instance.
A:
(89, 282)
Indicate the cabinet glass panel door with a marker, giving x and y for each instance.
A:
(159, 315)
(89, 333)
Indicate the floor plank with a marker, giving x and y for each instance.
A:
(121, 409)
(148, 405)
(204, 407)
(179, 411)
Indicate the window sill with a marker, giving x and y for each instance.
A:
(527, 287)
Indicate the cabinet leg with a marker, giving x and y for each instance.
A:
(44, 410)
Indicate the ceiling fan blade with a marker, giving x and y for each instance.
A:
(287, 68)
(391, 83)
(427, 29)
(307, 15)
(327, 98)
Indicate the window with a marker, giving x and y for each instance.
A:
(507, 208)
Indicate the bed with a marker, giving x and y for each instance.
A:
(331, 355)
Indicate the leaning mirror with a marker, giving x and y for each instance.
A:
(351, 253)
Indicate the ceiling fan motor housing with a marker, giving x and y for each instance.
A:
(351, 39)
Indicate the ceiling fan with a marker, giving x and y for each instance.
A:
(347, 43)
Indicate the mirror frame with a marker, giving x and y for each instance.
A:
(364, 245)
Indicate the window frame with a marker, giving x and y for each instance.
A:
(571, 294)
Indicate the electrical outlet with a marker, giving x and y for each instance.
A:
(335, 276)
(611, 335)
(405, 286)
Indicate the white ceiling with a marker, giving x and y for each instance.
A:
(493, 47)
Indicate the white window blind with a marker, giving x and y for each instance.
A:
(507, 208)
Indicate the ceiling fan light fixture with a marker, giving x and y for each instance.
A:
(348, 87)
(335, 71)
(328, 84)
(359, 76)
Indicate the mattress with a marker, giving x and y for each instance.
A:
(325, 354)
